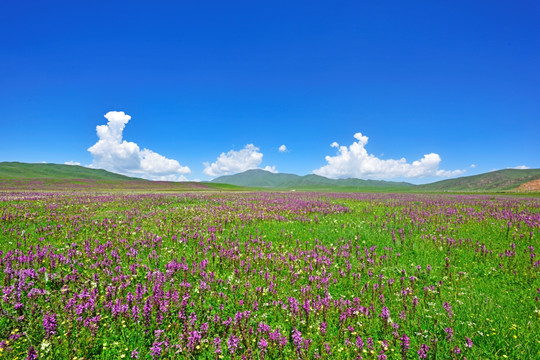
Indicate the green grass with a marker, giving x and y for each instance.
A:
(298, 240)
(17, 170)
(501, 180)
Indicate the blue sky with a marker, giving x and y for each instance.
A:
(440, 89)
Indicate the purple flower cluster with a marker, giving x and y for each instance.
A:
(49, 324)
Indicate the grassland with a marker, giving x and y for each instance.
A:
(268, 275)
(18, 170)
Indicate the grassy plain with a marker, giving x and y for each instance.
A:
(268, 275)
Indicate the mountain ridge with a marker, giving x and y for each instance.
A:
(20, 170)
(265, 179)
(507, 180)
(499, 180)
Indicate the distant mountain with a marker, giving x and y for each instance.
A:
(18, 170)
(15, 175)
(501, 180)
(52, 177)
(257, 178)
(264, 179)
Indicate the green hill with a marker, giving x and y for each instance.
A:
(22, 175)
(264, 179)
(55, 177)
(257, 178)
(17, 170)
(501, 180)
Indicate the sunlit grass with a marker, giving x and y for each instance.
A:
(268, 275)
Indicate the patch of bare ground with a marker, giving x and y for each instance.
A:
(533, 185)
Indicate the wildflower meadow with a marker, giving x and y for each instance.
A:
(263, 275)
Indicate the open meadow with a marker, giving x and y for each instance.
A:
(87, 275)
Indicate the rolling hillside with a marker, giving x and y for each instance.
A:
(14, 175)
(17, 170)
(265, 179)
(496, 181)
(501, 180)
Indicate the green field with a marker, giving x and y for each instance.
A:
(268, 275)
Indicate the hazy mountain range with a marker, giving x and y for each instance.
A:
(501, 180)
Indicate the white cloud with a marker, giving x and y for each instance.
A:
(473, 166)
(282, 149)
(354, 161)
(72, 163)
(124, 157)
(236, 161)
(521, 167)
(272, 169)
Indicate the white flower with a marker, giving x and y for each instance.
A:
(45, 346)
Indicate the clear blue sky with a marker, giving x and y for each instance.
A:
(459, 80)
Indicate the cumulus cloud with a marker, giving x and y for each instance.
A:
(236, 161)
(354, 161)
(473, 166)
(282, 148)
(272, 169)
(113, 153)
(521, 167)
(72, 163)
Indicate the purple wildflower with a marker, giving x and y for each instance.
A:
(385, 314)
(232, 343)
(369, 343)
(32, 354)
(194, 338)
(156, 349)
(448, 309)
(422, 352)
(327, 348)
(263, 344)
(449, 333)
(293, 304)
(359, 343)
(403, 315)
(404, 345)
(323, 328)
(49, 324)
(297, 339)
(306, 306)
(217, 345)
